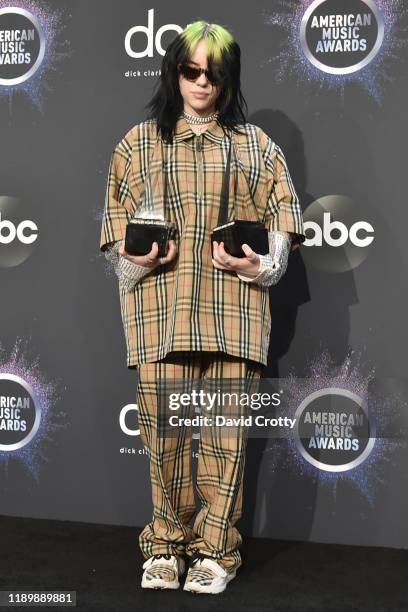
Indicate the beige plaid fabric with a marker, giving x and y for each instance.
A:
(188, 304)
(220, 468)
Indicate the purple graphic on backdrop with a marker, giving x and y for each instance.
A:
(337, 42)
(29, 48)
(370, 425)
(28, 419)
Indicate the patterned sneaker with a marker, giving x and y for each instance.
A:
(207, 576)
(162, 572)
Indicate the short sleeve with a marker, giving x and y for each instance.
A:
(118, 202)
(283, 207)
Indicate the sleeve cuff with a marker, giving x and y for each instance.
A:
(251, 279)
(268, 270)
(132, 271)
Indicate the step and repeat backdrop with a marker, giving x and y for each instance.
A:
(327, 80)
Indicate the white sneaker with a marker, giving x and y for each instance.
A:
(162, 572)
(207, 576)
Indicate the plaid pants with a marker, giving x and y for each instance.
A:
(220, 469)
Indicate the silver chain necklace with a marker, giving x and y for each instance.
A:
(197, 120)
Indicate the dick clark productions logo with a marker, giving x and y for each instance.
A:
(22, 45)
(341, 36)
(20, 413)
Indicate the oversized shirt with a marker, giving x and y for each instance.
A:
(189, 304)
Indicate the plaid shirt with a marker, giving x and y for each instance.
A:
(188, 304)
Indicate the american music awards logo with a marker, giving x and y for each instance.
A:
(20, 412)
(28, 416)
(22, 45)
(341, 37)
(332, 43)
(333, 430)
(30, 48)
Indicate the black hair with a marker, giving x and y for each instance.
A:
(224, 54)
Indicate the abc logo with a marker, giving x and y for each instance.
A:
(360, 233)
(9, 231)
(337, 234)
(151, 38)
(18, 235)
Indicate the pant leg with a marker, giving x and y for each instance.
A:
(170, 458)
(220, 470)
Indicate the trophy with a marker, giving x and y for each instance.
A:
(239, 231)
(149, 224)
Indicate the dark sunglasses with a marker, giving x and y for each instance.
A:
(192, 74)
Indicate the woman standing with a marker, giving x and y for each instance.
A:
(196, 314)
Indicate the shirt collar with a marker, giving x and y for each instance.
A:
(183, 131)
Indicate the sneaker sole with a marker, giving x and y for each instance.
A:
(160, 584)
